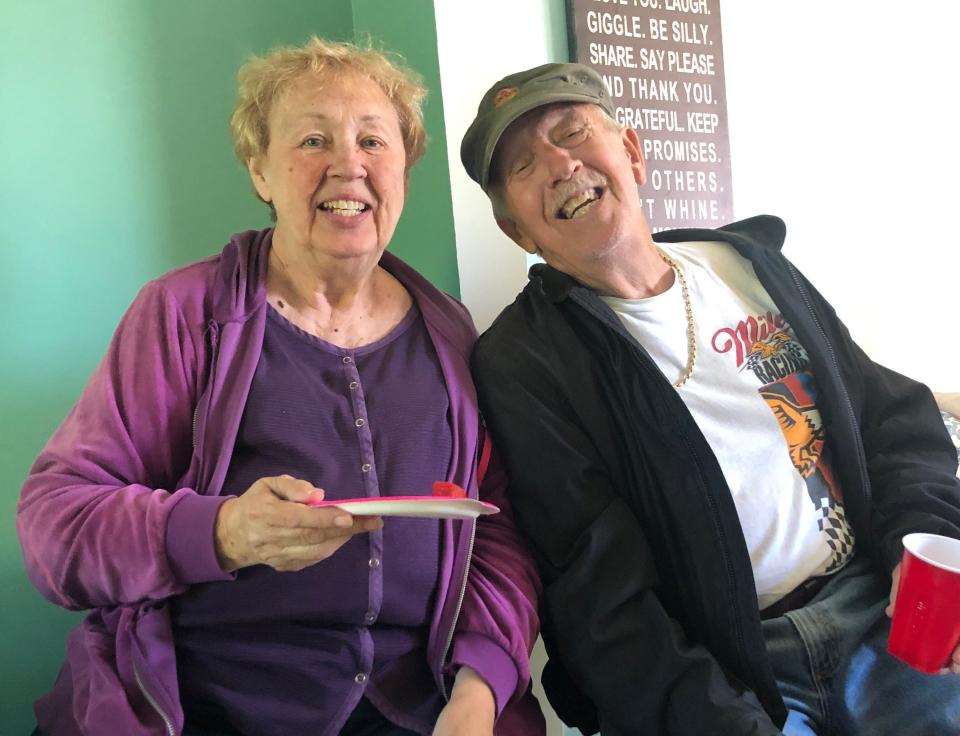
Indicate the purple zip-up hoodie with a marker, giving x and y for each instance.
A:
(155, 426)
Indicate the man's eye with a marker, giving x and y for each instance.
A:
(575, 134)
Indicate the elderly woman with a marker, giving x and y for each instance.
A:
(302, 363)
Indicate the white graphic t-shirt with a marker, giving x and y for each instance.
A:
(754, 398)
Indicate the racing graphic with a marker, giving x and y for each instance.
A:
(792, 403)
(798, 419)
(764, 347)
(774, 358)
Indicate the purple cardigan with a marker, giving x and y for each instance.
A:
(155, 427)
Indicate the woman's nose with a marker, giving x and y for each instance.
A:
(347, 162)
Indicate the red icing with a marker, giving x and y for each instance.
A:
(447, 489)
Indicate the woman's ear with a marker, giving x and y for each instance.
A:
(259, 179)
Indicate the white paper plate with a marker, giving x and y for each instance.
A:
(424, 507)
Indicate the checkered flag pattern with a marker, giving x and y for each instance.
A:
(833, 523)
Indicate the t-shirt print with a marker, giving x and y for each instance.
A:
(765, 346)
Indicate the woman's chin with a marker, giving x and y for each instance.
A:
(343, 246)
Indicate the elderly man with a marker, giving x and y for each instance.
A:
(714, 478)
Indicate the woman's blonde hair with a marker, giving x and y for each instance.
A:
(263, 80)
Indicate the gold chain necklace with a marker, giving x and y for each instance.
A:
(691, 326)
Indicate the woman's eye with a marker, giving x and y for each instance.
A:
(371, 143)
(313, 141)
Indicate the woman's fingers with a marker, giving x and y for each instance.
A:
(290, 489)
(285, 548)
(271, 524)
(297, 557)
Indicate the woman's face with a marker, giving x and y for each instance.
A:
(335, 168)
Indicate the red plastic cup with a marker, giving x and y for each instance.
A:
(926, 615)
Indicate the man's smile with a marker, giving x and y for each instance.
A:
(580, 203)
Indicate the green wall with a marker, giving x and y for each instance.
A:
(425, 235)
(116, 166)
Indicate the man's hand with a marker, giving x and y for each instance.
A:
(271, 525)
(471, 710)
(894, 586)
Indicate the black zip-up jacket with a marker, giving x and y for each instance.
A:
(651, 619)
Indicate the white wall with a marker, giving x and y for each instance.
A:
(479, 43)
(843, 122)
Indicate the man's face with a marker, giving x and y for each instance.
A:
(568, 180)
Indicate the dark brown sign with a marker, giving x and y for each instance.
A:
(663, 63)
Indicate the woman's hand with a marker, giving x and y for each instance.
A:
(471, 710)
(271, 525)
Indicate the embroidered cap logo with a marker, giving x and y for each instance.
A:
(507, 93)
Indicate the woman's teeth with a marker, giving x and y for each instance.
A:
(344, 207)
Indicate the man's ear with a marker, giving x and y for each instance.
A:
(517, 235)
(633, 149)
(255, 169)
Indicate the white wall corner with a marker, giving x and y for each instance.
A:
(476, 47)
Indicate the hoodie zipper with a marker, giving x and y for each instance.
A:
(167, 721)
(728, 564)
(847, 404)
(212, 332)
(456, 613)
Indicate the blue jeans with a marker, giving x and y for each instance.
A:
(835, 675)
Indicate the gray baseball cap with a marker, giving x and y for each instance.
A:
(518, 93)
